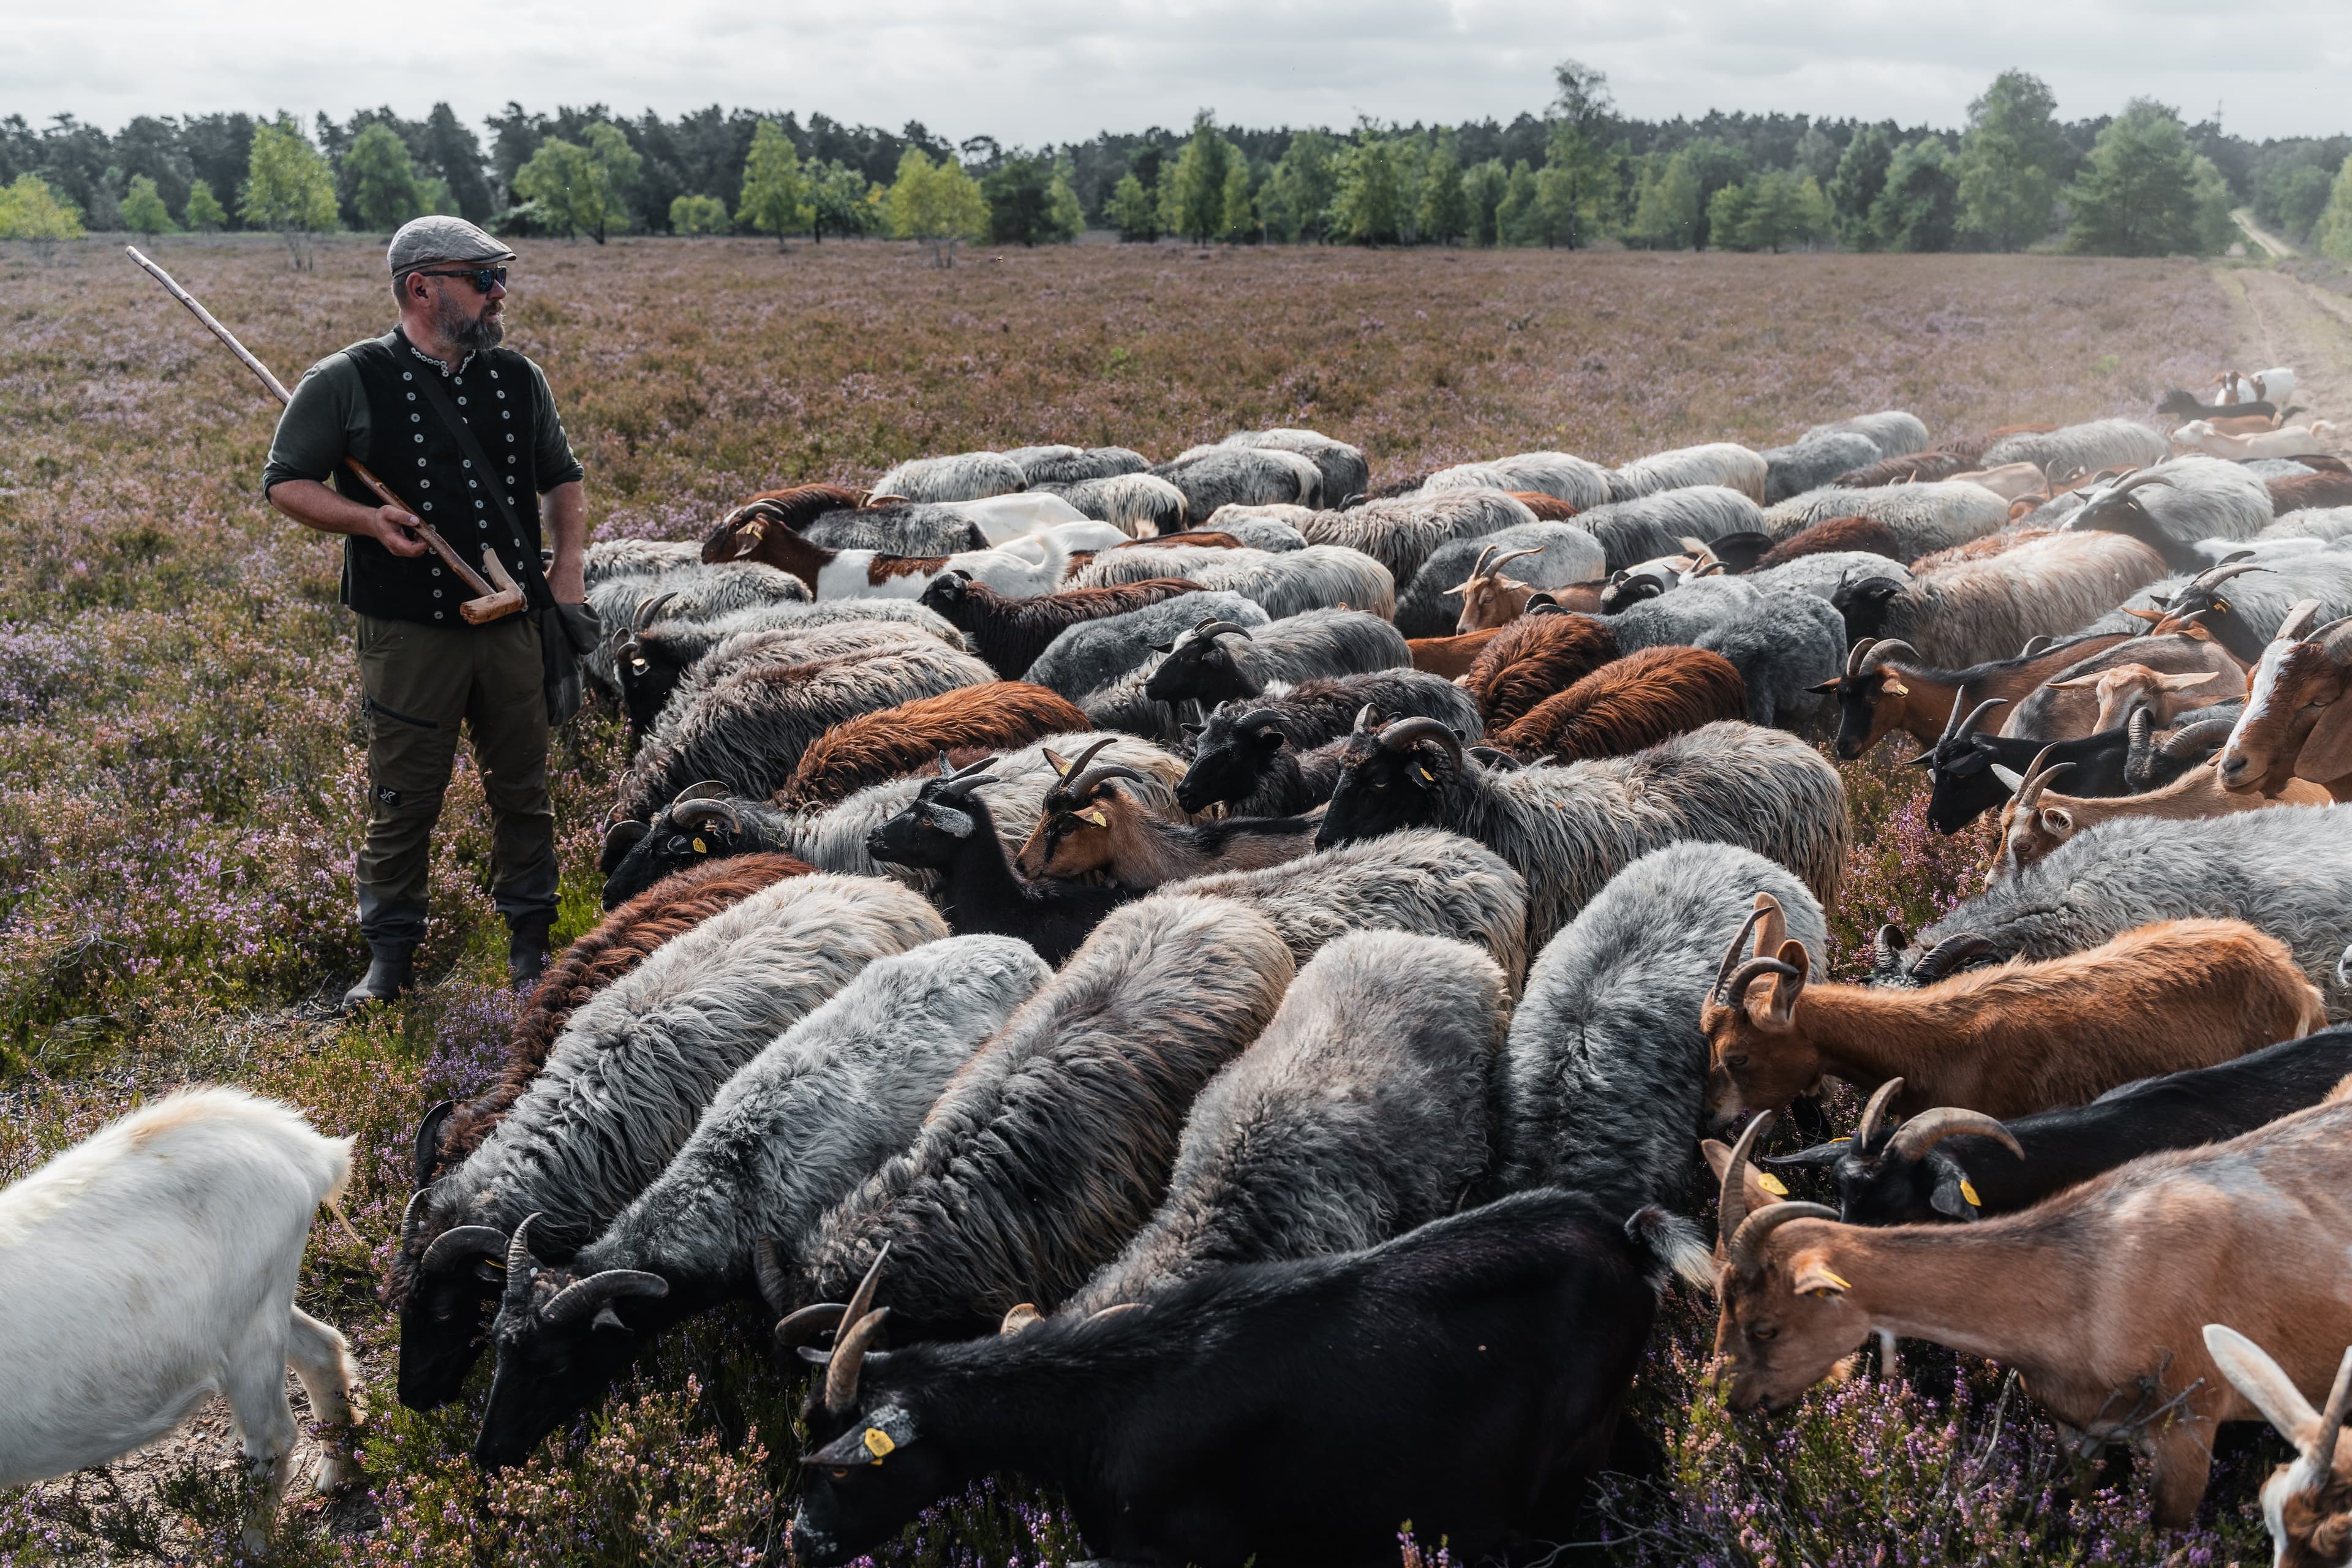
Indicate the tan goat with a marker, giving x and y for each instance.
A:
(2307, 1501)
(2011, 481)
(2035, 821)
(2125, 687)
(1109, 820)
(2017, 1037)
(1490, 599)
(2096, 1296)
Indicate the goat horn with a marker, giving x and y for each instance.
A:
(1081, 788)
(2331, 1423)
(1731, 1206)
(861, 1300)
(767, 1264)
(682, 814)
(1764, 1221)
(2191, 739)
(650, 611)
(1257, 718)
(1929, 1128)
(848, 1360)
(412, 1219)
(802, 1327)
(460, 1244)
(982, 765)
(1502, 561)
(1887, 945)
(1880, 1098)
(2133, 482)
(1854, 655)
(1948, 955)
(1407, 733)
(521, 1264)
(2036, 644)
(1079, 766)
(1735, 990)
(1885, 651)
(2206, 581)
(1217, 628)
(1968, 725)
(585, 1298)
(2299, 621)
(1731, 954)
(428, 1138)
(1365, 717)
(2038, 776)
(708, 789)
(1479, 568)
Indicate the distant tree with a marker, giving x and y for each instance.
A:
(2145, 191)
(2292, 197)
(1714, 164)
(841, 199)
(1483, 186)
(1918, 206)
(30, 210)
(2332, 234)
(1444, 213)
(696, 214)
(144, 211)
(1193, 194)
(2009, 162)
(1238, 219)
(385, 192)
(575, 188)
(1019, 192)
(1816, 155)
(203, 212)
(1369, 206)
(1065, 214)
(775, 196)
(1728, 214)
(1580, 169)
(288, 187)
(1302, 186)
(1133, 210)
(935, 204)
(455, 157)
(1860, 176)
(1665, 207)
(1515, 216)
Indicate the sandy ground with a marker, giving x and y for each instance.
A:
(2284, 322)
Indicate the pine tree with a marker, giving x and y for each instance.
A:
(288, 187)
(2146, 192)
(1860, 176)
(144, 211)
(1918, 206)
(775, 197)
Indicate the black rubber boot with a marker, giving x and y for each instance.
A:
(389, 974)
(527, 953)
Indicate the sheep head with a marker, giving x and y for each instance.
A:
(2117, 507)
(445, 1282)
(702, 824)
(1490, 599)
(1392, 778)
(1785, 1319)
(2307, 1501)
(562, 1339)
(1230, 756)
(1200, 666)
(1865, 605)
(1872, 697)
(1758, 1054)
(1630, 585)
(2295, 722)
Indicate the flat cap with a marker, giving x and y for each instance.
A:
(430, 241)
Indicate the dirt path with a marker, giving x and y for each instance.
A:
(2281, 321)
(2244, 218)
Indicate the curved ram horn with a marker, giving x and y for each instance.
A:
(708, 789)
(1929, 1128)
(650, 611)
(2191, 740)
(2036, 644)
(2207, 580)
(1886, 946)
(1020, 1316)
(1735, 990)
(428, 1139)
(848, 1359)
(691, 814)
(2331, 1423)
(1749, 1237)
(802, 1327)
(1947, 955)
(1082, 789)
(412, 1220)
(623, 837)
(1731, 1203)
(2134, 481)
(587, 1297)
(1872, 1113)
(1207, 629)
(1854, 655)
(776, 1282)
(1407, 733)
(460, 1244)
(1256, 718)
(1731, 954)
(1885, 650)
(521, 1264)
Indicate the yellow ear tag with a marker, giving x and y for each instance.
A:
(878, 1442)
(1096, 817)
(700, 847)
(1835, 1281)
(1896, 687)
(1970, 1193)
(1426, 776)
(1771, 1183)
(1842, 1137)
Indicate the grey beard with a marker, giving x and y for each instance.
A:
(472, 333)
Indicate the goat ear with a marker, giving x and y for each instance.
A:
(2328, 751)
(1094, 818)
(2077, 683)
(1954, 1195)
(2057, 820)
(1059, 764)
(1761, 1187)
(2263, 1384)
(2183, 682)
(1810, 1275)
(1895, 684)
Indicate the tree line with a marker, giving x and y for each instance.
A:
(2014, 177)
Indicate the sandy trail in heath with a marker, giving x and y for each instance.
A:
(2281, 321)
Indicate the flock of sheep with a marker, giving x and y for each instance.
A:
(1169, 978)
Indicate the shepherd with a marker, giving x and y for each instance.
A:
(467, 433)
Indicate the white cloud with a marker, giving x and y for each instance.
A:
(1062, 69)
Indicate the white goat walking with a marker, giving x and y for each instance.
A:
(153, 1265)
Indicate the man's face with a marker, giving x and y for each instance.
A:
(463, 314)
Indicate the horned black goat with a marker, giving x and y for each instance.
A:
(1247, 752)
(1010, 633)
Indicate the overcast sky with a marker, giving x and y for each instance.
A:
(1052, 70)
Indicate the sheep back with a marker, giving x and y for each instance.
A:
(965, 476)
(1564, 477)
(2076, 449)
(1400, 533)
(1636, 701)
(1643, 526)
(1814, 460)
(1534, 656)
(890, 741)
(1093, 654)
(1723, 463)
(1344, 470)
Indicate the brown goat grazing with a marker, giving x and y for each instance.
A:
(1888, 683)
(1010, 631)
(1449, 657)
(2035, 821)
(1490, 599)
(1635, 701)
(2296, 722)
(1547, 507)
(2307, 1501)
(2096, 1296)
(1832, 535)
(1532, 658)
(891, 741)
(2121, 688)
(795, 509)
(2018, 1037)
(1112, 820)
(620, 942)
(2303, 492)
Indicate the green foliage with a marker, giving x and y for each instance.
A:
(1192, 192)
(775, 195)
(937, 203)
(2292, 197)
(1134, 211)
(2009, 162)
(142, 209)
(1918, 206)
(203, 212)
(1021, 203)
(1854, 189)
(1296, 200)
(385, 191)
(843, 200)
(1515, 214)
(1370, 208)
(1483, 186)
(1444, 215)
(1580, 174)
(30, 210)
(288, 187)
(1784, 210)
(582, 187)
(1067, 212)
(1714, 164)
(2146, 192)
(698, 214)
(2332, 234)
(1239, 222)
(1665, 204)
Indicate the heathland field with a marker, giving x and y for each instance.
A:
(180, 778)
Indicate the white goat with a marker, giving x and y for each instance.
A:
(153, 1265)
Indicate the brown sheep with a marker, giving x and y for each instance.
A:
(1635, 701)
(1547, 507)
(1532, 658)
(2302, 492)
(890, 741)
(1834, 535)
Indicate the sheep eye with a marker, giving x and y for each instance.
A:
(676, 845)
(1762, 1332)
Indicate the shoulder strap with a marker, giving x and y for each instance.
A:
(438, 396)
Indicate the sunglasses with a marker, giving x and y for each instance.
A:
(484, 278)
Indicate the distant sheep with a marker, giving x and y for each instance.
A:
(1892, 431)
(1010, 633)
(1095, 654)
(1218, 660)
(1834, 536)
(2076, 451)
(1401, 533)
(968, 476)
(1643, 526)
(1319, 577)
(1212, 477)
(2174, 506)
(1139, 504)
(1979, 610)
(1582, 484)
(1814, 460)
(1345, 472)
(1923, 517)
(666, 667)
(1073, 465)
(1723, 463)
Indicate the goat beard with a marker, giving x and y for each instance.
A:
(471, 334)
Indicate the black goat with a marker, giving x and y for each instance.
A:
(948, 828)
(1948, 1165)
(1259, 1414)
(1960, 765)
(1240, 754)
(2181, 404)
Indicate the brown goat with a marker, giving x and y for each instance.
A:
(1834, 534)
(2302, 492)
(1547, 507)
(2296, 722)
(2097, 1296)
(2007, 1040)
(1632, 703)
(2121, 688)
(795, 509)
(1911, 468)
(890, 741)
(1903, 692)
(2307, 1501)
(2035, 821)
(1532, 658)
(1449, 657)
(1113, 821)
(620, 942)
(1490, 599)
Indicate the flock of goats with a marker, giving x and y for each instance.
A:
(1204, 984)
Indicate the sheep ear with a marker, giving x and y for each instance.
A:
(1812, 1276)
